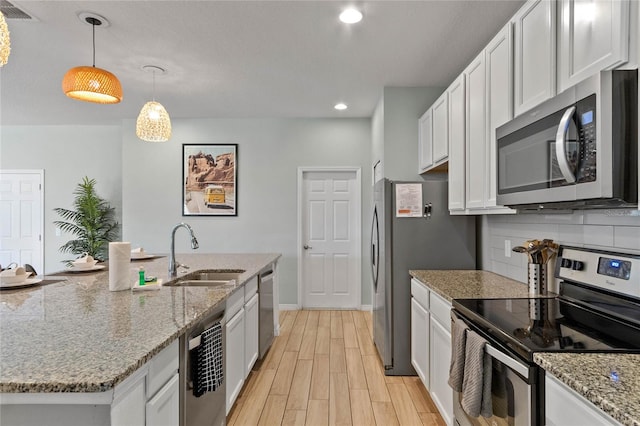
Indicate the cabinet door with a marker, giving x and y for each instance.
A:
(440, 148)
(593, 36)
(128, 408)
(457, 137)
(475, 132)
(250, 334)
(425, 141)
(535, 54)
(164, 407)
(563, 406)
(234, 352)
(499, 96)
(440, 358)
(420, 341)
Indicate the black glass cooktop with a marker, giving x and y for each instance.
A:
(550, 325)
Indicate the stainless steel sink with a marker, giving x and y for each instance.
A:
(208, 278)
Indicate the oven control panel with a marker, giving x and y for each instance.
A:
(611, 271)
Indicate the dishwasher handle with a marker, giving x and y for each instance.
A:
(196, 341)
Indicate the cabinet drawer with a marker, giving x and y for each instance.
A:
(440, 309)
(250, 288)
(235, 301)
(161, 368)
(420, 293)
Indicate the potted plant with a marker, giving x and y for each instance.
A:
(92, 222)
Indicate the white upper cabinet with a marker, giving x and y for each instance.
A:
(433, 135)
(440, 147)
(457, 145)
(475, 132)
(425, 141)
(499, 88)
(593, 36)
(535, 54)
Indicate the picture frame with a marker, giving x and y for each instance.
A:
(209, 179)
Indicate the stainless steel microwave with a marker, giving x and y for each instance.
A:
(577, 150)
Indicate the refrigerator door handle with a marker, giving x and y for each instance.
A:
(375, 249)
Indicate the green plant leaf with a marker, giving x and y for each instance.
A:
(92, 222)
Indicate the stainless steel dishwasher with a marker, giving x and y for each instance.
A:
(265, 318)
(207, 409)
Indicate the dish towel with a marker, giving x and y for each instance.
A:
(207, 367)
(476, 386)
(458, 343)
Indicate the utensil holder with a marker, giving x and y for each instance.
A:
(537, 279)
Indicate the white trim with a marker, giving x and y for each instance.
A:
(368, 308)
(40, 172)
(54, 398)
(289, 307)
(358, 254)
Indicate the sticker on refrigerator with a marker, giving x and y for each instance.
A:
(408, 200)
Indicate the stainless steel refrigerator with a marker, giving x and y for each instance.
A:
(411, 229)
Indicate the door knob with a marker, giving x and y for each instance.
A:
(306, 247)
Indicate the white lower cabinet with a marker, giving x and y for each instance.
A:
(164, 409)
(440, 358)
(234, 351)
(565, 407)
(440, 355)
(431, 345)
(241, 331)
(251, 325)
(420, 340)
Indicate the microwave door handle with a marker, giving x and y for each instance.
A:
(561, 140)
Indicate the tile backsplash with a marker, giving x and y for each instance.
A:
(617, 230)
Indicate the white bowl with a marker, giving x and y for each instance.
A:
(12, 279)
(83, 264)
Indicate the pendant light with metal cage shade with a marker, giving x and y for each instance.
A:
(92, 84)
(153, 123)
(5, 41)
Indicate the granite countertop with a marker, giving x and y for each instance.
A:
(77, 336)
(589, 374)
(610, 381)
(472, 284)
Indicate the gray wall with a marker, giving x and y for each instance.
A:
(66, 154)
(269, 154)
(606, 229)
(396, 117)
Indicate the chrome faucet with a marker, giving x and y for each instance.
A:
(173, 265)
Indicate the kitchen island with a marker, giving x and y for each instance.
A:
(75, 338)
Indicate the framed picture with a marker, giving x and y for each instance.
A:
(209, 179)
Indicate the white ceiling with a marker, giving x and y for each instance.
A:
(240, 58)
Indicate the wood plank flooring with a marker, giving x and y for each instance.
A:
(323, 369)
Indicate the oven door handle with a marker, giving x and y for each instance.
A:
(561, 143)
(519, 368)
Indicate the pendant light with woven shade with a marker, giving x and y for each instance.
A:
(92, 84)
(153, 123)
(5, 41)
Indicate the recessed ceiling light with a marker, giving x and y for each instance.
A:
(351, 16)
(341, 106)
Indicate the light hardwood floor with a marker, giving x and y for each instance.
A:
(323, 369)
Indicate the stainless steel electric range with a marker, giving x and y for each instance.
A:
(597, 310)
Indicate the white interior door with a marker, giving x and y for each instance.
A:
(21, 215)
(331, 239)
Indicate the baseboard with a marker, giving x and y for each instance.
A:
(289, 307)
(293, 307)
